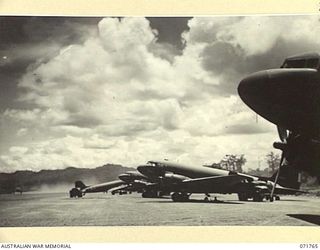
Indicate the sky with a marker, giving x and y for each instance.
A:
(89, 91)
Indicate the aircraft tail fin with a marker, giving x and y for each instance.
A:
(289, 177)
(80, 184)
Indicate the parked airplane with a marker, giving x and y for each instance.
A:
(81, 189)
(289, 97)
(131, 181)
(183, 180)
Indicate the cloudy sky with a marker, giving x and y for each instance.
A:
(89, 91)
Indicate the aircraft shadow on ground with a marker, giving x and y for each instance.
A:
(294, 200)
(193, 201)
(88, 198)
(311, 218)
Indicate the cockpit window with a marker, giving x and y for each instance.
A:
(301, 63)
(294, 63)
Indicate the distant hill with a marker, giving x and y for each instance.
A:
(50, 179)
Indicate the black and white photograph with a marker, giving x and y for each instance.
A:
(159, 121)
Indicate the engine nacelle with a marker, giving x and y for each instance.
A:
(174, 177)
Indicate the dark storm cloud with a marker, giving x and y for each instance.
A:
(19, 30)
(170, 29)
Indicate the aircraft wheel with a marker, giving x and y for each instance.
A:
(277, 198)
(185, 197)
(175, 197)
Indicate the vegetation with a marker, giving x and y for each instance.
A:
(230, 162)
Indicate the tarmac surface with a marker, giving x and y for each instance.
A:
(57, 209)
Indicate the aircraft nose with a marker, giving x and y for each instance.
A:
(286, 97)
(251, 87)
(150, 171)
(277, 86)
(144, 169)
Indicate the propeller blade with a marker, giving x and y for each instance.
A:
(283, 133)
(277, 176)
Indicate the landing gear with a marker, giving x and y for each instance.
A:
(180, 197)
(74, 193)
(207, 198)
(275, 197)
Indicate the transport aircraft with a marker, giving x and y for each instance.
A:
(183, 180)
(289, 97)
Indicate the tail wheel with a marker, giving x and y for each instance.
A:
(74, 192)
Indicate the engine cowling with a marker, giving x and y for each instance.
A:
(174, 177)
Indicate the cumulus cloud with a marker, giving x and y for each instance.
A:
(122, 96)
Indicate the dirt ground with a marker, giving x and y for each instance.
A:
(57, 209)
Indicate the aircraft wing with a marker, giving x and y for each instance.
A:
(103, 187)
(212, 184)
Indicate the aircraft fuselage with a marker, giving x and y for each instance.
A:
(155, 169)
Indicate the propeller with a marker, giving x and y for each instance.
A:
(283, 135)
(277, 176)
